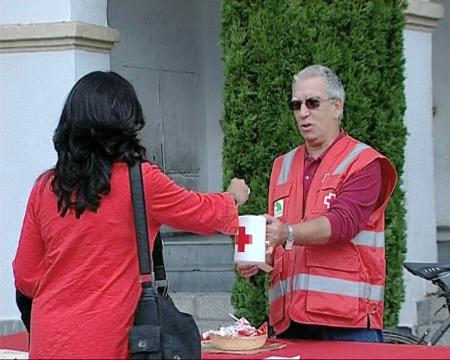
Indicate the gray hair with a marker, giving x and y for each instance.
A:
(333, 85)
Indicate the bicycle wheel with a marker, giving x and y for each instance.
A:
(395, 337)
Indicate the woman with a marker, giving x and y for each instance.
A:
(77, 256)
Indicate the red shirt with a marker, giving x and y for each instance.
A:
(355, 201)
(83, 274)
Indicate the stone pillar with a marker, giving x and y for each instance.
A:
(45, 46)
(441, 119)
(418, 177)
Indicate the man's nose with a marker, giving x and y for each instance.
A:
(304, 111)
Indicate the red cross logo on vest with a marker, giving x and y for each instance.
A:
(242, 239)
(328, 199)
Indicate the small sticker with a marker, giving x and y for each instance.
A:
(278, 208)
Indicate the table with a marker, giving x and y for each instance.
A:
(307, 349)
(17, 341)
(314, 349)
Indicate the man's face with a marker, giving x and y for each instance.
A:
(318, 126)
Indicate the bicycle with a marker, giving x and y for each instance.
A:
(438, 274)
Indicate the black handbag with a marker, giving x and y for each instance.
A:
(159, 331)
(24, 303)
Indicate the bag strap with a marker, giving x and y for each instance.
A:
(140, 221)
(158, 263)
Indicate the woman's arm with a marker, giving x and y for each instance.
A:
(173, 205)
(28, 265)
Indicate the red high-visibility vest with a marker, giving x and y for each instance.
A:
(334, 285)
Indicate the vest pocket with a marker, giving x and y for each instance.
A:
(332, 284)
(280, 200)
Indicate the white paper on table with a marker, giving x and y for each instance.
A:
(13, 354)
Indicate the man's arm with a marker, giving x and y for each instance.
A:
(312, 232)
(351, 209)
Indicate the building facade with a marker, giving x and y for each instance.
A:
(169, 50)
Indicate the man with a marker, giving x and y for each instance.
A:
(326, 225)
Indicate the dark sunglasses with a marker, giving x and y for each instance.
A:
(311, 103)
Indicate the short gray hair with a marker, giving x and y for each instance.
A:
(333, 84)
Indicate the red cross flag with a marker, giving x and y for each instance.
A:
(250, 242)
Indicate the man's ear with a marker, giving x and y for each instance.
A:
(338, 108)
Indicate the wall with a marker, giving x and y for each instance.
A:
(26, 11)
(33, 87)
(160, 54)
(213, 94)
(171, 54)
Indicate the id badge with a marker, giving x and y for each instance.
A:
(278, 208)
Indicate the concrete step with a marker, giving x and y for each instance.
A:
(198, 263)
(210, 310)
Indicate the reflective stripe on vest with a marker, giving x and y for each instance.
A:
(327, 285)
(287, 161)
(349, 158)
(286, 167)
(369, 238)
(333, 285)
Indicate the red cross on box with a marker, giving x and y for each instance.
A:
(242, 239)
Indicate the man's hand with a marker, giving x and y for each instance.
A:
(247, 271)
(276, 231)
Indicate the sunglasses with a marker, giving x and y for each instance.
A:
(311, 103)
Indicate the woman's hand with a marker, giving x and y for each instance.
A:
(240, 190)
(247, 271)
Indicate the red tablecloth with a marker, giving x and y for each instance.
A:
(308, 349)
(18, 341)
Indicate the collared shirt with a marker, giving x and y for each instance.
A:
(354, 202)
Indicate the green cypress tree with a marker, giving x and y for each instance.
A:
(265, 42)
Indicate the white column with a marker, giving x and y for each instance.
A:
(441, 90)
(418, 176)
(45, 46)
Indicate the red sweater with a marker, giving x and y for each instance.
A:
(357, 199)
(83, 273)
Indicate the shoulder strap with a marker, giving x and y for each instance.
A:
(158, 262)
(140, 219)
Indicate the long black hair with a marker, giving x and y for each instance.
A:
(99, 125)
